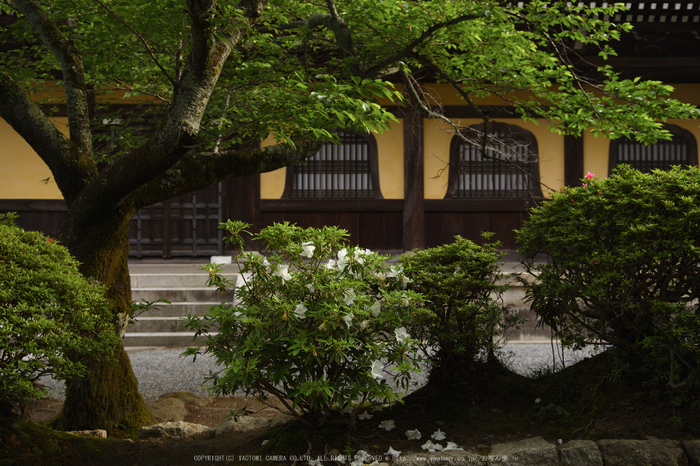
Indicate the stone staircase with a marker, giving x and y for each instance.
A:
(184, 285)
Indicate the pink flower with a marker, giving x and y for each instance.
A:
(589, 175)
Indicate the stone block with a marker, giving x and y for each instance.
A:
(641, 452)
(580, 453)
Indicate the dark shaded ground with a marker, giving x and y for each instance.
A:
(493, 406)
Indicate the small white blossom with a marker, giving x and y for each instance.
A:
(264, 442)
(282, 272)
(393, 453)
(322, 327)
(364, 416)
(404, 300)
(364, 324)
(300, 311)
(310, 287)
(330, 264)
(413, 434)
(347, 318)
(431, 447)
(395, 271)
(349, 297)
(361, 456)
(308, 249)
(266, 264)
(537, 400)
(377, 370)
(438, 435)
(452, 446)
(316, 462)
(376, 308)
(401, 334)
(378, 408)
(342, 259)
(387, 424)
(348, 409)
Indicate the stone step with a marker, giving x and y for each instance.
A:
(158, 325)
(177, 280)
(187, 295)
(180, 309)
(166, 339)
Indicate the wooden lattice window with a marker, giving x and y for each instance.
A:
(338, 171)
(681, 150)
(506, 169)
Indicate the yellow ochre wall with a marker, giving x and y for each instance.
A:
(22, 171)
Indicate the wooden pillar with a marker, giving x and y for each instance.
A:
(241, 201)
(413, 211)
(573, 160)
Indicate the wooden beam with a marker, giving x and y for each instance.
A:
(414, 213)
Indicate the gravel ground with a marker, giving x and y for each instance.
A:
(162, 370)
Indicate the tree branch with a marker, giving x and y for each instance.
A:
(141, 38)
(205, 169)
(58, 152)
(71, 62)
(410, 48)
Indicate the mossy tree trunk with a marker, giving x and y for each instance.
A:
(109, 397)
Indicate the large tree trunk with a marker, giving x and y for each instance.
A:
(108, 398)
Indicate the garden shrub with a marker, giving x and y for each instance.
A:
(459, 282)
(623, 269)
(50, 315)
(314, 324)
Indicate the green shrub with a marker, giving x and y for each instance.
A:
(314, 324)
(459, 282)
(623, 269)
(49, 315)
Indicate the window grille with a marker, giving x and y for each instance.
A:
(507, 169)
(337, 171)
(681, 150)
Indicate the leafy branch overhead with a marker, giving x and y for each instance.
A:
(148, 87)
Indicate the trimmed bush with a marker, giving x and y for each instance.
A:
(623, 269)
(459, 283)
(50, 315)
(314, 324)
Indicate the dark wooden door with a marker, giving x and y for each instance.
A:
(185, 226)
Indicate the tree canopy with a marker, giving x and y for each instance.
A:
(188, 89)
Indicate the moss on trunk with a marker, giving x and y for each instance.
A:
(108, 398)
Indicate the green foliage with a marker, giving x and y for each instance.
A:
(623, 266)
(49, 315)
(298, 73)
(314, 324)
(460, 284)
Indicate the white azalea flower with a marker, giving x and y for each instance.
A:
(330, 264)
(322, 327)
(387, 425)
(413, 434)
(266, 264)
(395, 271)
(404, 300)
(300, 311)
(378, 408)
(347, 318)
(364, 416)
(377, 370)
(452, 446)
(342, 259)
(438, 435)
(310, 287)
(364, 324)
(315, 462)
(393, 453)
(308, 249)
(264, 442)
(348, 409)
(537, 400)
(376, 308)
(431, 447)
(361, 456)
(349, 297)
(282, 272)
(401, 334)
